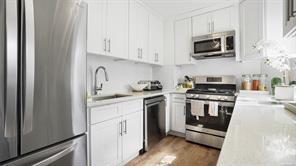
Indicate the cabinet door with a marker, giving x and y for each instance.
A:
(178, 117)
(105, 143)
(155, 40)
(183, 38)
(117, 28)
(251, 28)
(96, 29)
(132, 141)
(201, 25)
(221, 20)
(138, 32)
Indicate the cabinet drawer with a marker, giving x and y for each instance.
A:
(103, 113)
(179, 98)
(131, 107)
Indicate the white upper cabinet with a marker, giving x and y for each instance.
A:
(183, 38)
(117, 28)
(155, 40)
(201, 24)
(251, 28)
(216, 21)
(96, 32)
(221, 20)
(138, 32)
(108, 27)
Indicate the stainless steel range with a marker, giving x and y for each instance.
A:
(209, 107)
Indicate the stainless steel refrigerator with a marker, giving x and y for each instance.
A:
(42, 82)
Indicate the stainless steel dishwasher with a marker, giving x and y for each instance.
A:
(154, 121)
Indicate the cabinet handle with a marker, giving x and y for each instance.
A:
(213, 26)
(184, 110)
(125, 126)
(105, 44)
(109, 45)
(120, 128)
(139, 52)
(209, 26)
(141, 55)
(156, 57)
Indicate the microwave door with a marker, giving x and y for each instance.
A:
(8, 80)
(208, 47)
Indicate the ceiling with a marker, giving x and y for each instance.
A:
(168, 8)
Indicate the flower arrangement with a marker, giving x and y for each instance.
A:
(278, 58)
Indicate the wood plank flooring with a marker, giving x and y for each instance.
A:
(185, 153)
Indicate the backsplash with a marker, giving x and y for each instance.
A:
(121, 73)
(171, 75)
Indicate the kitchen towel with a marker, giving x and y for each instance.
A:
(197, 108)
(213, 108)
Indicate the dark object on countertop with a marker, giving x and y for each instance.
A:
(293, 83)
(152, 85)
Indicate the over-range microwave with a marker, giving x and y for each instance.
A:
(214, 45)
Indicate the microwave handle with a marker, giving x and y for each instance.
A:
(224, 44)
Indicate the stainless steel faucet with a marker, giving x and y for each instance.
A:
(96, 88)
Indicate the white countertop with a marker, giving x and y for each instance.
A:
(133, 96)
(259, 133)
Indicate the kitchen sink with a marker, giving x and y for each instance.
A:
(107, 97)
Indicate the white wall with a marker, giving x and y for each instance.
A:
(121, 73)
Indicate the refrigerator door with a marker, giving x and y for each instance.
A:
(8, 79)
(54, 72)
(72, 153)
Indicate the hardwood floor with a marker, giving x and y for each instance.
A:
(185, 154)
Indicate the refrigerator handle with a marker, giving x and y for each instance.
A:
(57, 156)
(10, 93)
(29, 64)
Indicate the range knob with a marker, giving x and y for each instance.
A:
(196, 96)
(190, 95)
(208, 97)
(224, 98)
(219, 97)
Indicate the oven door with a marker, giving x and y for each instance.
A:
(210, 124)
(208, 47)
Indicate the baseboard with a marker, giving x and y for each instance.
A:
(176, 133)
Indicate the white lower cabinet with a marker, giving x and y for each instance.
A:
(178, 114)
(132, 140)
(118, 139)
(106, 143)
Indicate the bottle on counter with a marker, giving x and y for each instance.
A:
(256, 81)
(262, 82)
(246, 82)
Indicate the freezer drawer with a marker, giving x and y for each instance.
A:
(71, 153)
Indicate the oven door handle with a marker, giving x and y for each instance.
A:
(225, 104)
(152, 104)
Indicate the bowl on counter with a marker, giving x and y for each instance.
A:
(138, 87)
